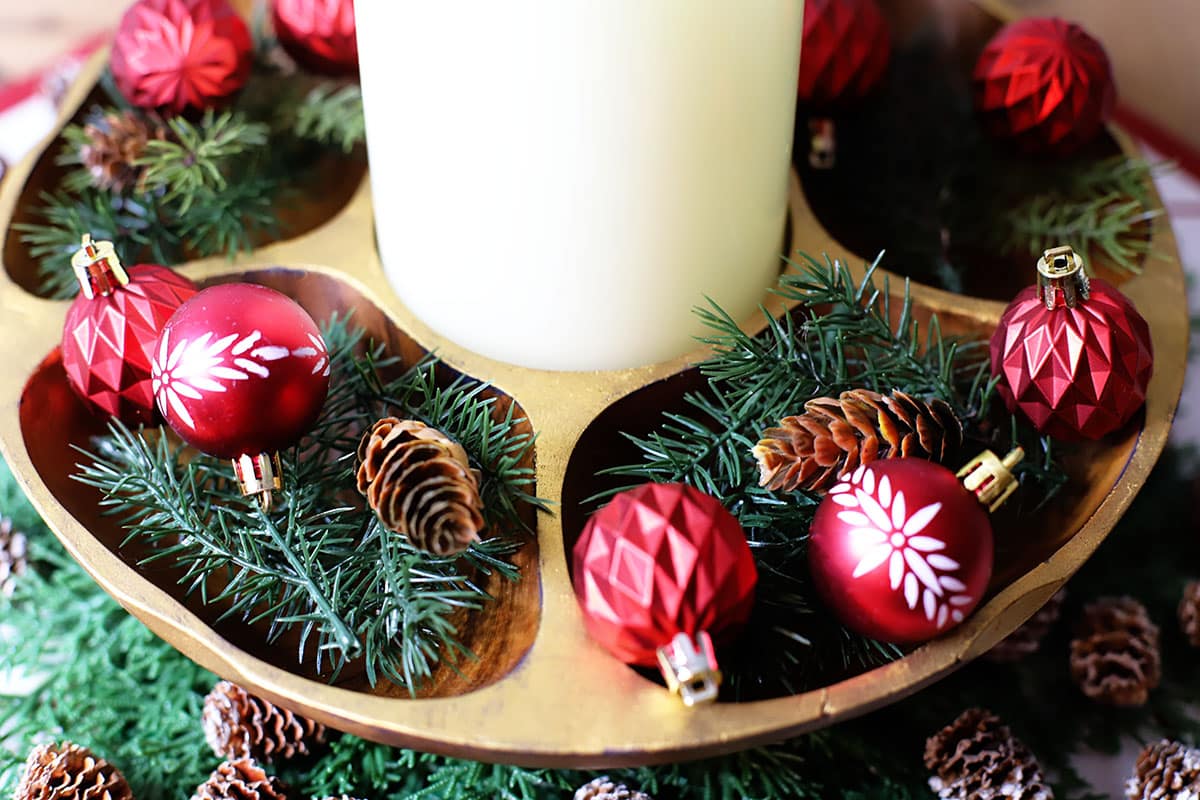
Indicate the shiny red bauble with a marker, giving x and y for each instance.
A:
(108, 340)
(318, 34)
(844, 53)
(1045, 85)
(240, 370)
(657, 561)
(178, 55)
(900, 551)
(1076, 373)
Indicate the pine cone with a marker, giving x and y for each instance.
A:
(1026, 639)
(239, 725)
(833, 436)
(13, 562)
(603, 788)
(976, 756)
(115, 141)
(1165, 770)
(242, 779)
(70, 772)
(1189, 613)
(421, 485)
(1115, 657)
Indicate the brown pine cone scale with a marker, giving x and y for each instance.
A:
(603, 788)
(976, 756)
(1165, 770)
(1115, 655)
(13, 556)
(239, 725)
(1189, 613)
(421, 485)
(835, 435)
(242, 779)
(115, 141)
(70, 772)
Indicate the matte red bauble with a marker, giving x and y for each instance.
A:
(176, 55)
(901, 551)
(111, 328)
(1072, 354)
(319, 34)
(845, 51)
(660, 572)
(1045, 85)
(241, 372)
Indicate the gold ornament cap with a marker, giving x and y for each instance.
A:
(822, 150)
(690, 668)
(1062, 279)
(990, 479)
(97, 268)
(259, 475)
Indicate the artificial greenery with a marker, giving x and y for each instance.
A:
(318, 565)
(332, 116)
(97, 677)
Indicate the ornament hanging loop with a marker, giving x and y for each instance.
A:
(97, 268)
(990, 479)
(1062, 279)
(690, 668)
(259, 475)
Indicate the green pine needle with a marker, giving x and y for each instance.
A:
(332, 116)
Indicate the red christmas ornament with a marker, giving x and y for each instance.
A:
(1072, 354)
(844, 53)
(319, 34)
(241, 371)
(177, 55)
(901, 551)
(109, 334)
(659, 572)
(1045, 85)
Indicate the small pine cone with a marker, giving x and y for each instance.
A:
(1165, 770)
(70, 772)
(242, 779)
(114, 143)
(976, 756)
(239, 725)
(1026, 639)
(834, 436)
(1189, 613)
(13, 556)
(1115, 657)
(603, 788)
(421, 485)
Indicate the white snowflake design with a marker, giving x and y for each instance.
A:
(883, 532)
(192, 367)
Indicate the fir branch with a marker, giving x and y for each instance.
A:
(332, 116)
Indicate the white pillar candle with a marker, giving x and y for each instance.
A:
(557, 183)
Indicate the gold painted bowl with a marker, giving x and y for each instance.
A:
(540, 692)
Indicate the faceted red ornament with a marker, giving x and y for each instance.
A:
(844, 53)
(319, 34)
(108, 340)
(900, 551)
(1076, 373)
(240, 370)
(1045, 85)
(176, 55)
(660, 560)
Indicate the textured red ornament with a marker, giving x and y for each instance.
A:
(319, 34)
(659, 560)
(240, 370)
(845, 51)
(1076, 373)
(176, 55)
(1045, 85)
(900, 551)
(108, 341)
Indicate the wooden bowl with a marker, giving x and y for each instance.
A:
(541, 693)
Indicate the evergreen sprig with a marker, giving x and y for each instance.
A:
(332, 116)
(317, 565)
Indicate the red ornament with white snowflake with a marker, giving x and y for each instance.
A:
(660, 572)
(241, 372)
(901, 550)
(111, 328)
(178, 55)
(1045, 85)
(1072, 353)
(319, 34)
